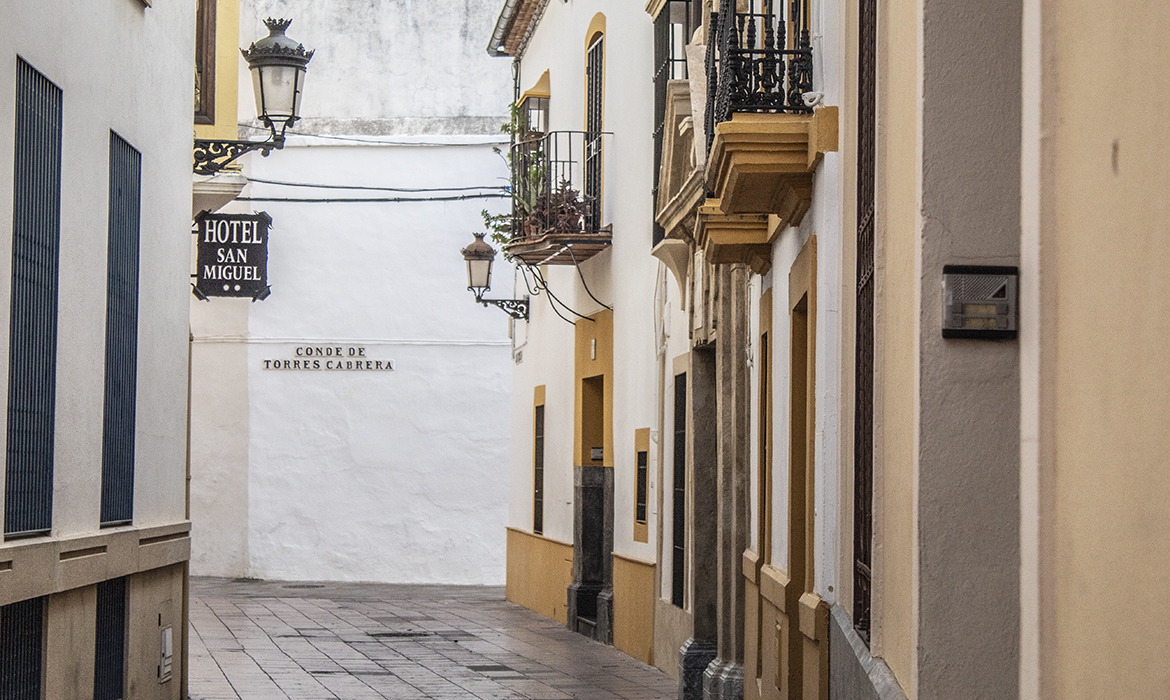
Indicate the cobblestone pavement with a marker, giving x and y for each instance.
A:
(267, 640)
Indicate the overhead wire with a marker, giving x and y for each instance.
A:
(285, 183)
(382, 142)
(333, 200)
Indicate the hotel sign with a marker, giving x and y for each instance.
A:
(233, 254)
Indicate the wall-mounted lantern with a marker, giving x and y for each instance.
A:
(278, 66)
(479, 257)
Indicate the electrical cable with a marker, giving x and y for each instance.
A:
(551, 296)
(379, 142)
(582, 276)
(284, 183)
(334, 200)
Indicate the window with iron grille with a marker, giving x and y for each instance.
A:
(679, 530)
(863, 367)
(673, 27)
(538, 476)
(121, 333)
(595, 79)
(642, 486)
(109, 668)
(21, 641)
(32, 355)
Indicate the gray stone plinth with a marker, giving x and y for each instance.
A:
(693, 659)
(723, 681)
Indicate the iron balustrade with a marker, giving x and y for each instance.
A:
(759, 61)
(556, 184)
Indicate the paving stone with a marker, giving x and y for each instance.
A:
(271, 640)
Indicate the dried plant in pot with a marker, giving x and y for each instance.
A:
(560, 211)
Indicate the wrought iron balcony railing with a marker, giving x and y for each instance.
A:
(758, 61)
(556, 184)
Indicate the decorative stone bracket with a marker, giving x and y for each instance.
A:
(734, 238)
(761, 165)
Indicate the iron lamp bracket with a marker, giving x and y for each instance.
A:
(516, 308)
(211, 155)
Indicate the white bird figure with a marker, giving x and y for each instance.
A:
(813, 99)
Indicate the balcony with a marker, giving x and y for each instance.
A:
(556, 198)
(766, 132)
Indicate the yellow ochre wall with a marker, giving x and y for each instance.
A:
(600, 328)
(896, 339)
(633, 607)
(1104, 252)
(539, 572)
(227, 77)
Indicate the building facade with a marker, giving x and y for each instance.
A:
(352, 425)
(871, 431)
(94, 188)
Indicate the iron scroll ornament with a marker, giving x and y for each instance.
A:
(516, 308)
(213, 156)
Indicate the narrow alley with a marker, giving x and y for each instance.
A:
(262, 640)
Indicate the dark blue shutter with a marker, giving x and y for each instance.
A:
(21, 629)
(121, 333)
(32, 358)
(109, 667)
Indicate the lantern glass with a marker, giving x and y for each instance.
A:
(479, 274)
(278, 91)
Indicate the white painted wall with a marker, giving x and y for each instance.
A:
(376, 476)
(121, 67)
(622, 277)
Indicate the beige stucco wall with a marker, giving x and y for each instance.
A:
(1102, 398)
(896, 336)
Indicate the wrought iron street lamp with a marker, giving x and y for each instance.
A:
(278, 66)
(479, 257)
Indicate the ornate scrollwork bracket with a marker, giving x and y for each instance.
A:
(212, 156)
(516, 308)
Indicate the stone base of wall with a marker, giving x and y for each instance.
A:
(854, 674)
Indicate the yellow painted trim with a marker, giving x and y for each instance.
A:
(539, 572)
(227, 82)
(774, 586)
(751, 566)
(540, 89)
(538, 396)
(802, 290)
(633, 607)
(633, 560)
(588, 366)
(596, 27)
